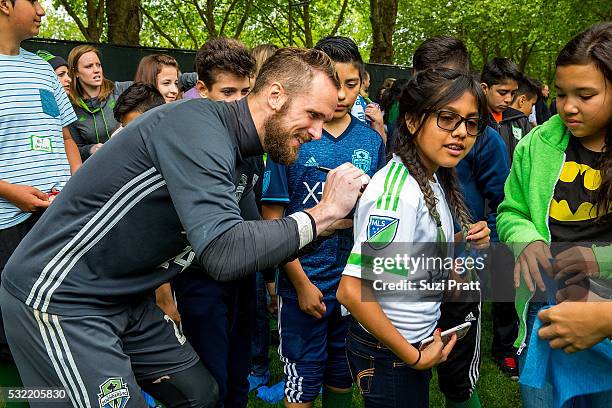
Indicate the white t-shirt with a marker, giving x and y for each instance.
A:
(393, 207)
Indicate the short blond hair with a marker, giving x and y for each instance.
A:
(294, 68)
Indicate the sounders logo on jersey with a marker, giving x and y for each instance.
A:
(362, 160)
(517, 133)
(114, 393)
(381, 231)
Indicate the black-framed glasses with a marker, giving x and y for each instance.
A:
(449, 120)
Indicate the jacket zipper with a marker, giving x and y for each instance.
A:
(526, 309)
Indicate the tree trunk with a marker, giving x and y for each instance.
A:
(307, 29)
(383, 16)
(124, 21)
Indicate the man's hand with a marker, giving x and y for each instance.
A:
(342, 189)
(528, 265)
(578, 261)
(26, 198)
(310, 299)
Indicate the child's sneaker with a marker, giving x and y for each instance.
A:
(508, 366)
(256, 381)
(273, 394)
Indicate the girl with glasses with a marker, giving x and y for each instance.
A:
(411, 200)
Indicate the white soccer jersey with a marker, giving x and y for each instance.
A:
(393, 210)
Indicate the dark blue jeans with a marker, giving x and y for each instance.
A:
(383, 379)
(217, 319)
(260, 345)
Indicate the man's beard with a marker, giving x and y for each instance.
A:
(278, 138)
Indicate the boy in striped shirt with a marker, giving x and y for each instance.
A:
(33, 128)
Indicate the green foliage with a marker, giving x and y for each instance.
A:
(531, 32)
(58, 24)
(268, 22)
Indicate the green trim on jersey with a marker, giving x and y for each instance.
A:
(398, 173)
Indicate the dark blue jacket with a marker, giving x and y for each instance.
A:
(482, 175)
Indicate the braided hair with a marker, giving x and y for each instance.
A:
(429, 91)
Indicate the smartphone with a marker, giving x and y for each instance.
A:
(460, 330)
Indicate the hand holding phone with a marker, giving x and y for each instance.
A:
(460, 330)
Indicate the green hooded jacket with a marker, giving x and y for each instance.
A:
(522, 217)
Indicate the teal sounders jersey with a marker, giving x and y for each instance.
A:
(393, 209)
(300, 186)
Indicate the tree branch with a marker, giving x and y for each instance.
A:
(204, 18)
(76, 19)
(187, 26)
(307, 30)
(228, 12)
(210, 14)
(340, 18)
(268, 22)
(157, 28)
(100, 15)
(247, 12)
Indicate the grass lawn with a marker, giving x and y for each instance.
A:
(495, 389)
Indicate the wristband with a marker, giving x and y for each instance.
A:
(417, 360)
(305, 228)
(313, 223)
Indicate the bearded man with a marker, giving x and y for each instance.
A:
(77, 295)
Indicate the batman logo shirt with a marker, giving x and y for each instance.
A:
(572, 211)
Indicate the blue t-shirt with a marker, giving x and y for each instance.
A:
(300, 186)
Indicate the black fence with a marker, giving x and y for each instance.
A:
(120, 61)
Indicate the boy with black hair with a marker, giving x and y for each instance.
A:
(36, 147)
(441, 51)
(367, 111)
(526, 95)
(135, 101)
(311, 326)
(482, 174)
(225, 68)
(500, 79)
